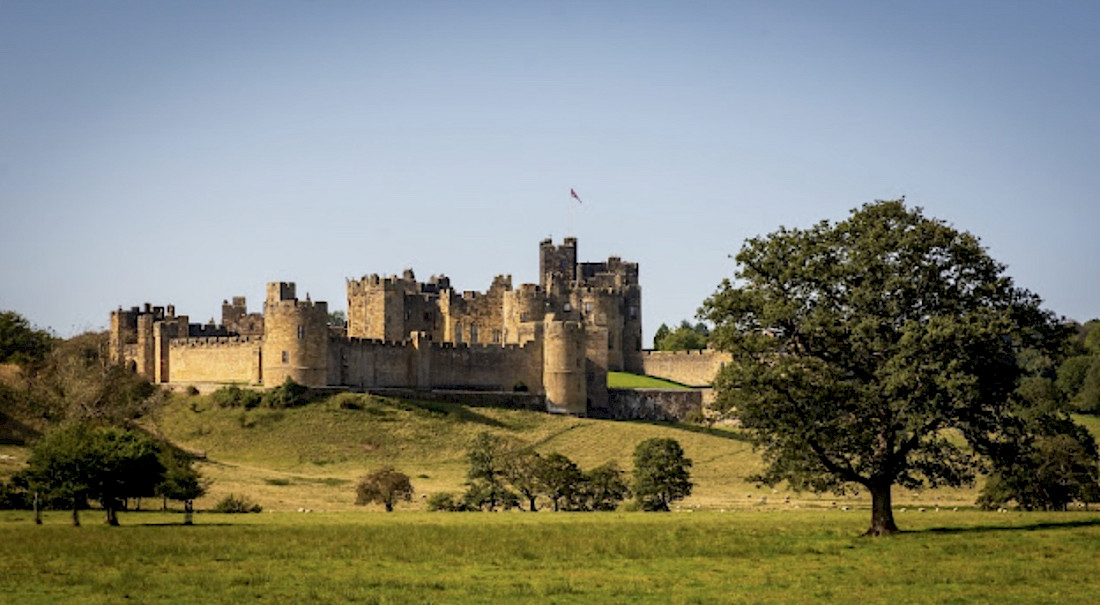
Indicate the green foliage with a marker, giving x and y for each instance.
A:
(445, 502)
(287, 395)
(20, 343)
(660, 474)
(685, 337)
(235, 504)
(181, 481)
(14, 497)
(604, 488)
(562, 481)
(233, 396)
(487, 476)
(77, 382)
(78, 461)
(857, 344)
(384, 486)
(1052, 464)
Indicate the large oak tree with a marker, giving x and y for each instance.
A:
(863, 348)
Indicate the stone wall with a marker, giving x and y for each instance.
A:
(214, 360)
(668, 405)
(691, 368)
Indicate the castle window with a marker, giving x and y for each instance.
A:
(587, 307)
(496, 337)
(610, 342)
(301, 332)
(458, 333)
(567, 307)
(633, 312)
(286, 357)
(473, 334)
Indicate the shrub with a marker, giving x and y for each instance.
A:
(236, 504)
(235, 397)
(287, 395)
(192, 391)
(445, 501)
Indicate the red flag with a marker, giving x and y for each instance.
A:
(574, 195)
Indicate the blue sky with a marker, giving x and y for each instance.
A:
(188, 152)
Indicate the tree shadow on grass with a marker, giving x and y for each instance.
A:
(1040, 525)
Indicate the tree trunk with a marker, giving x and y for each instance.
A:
(76, 515)
(188, 512)
(882, 511)
(112, 515)
(531, 504)
(37, 511)
(389, 506)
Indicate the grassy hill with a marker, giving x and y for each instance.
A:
(311, 456)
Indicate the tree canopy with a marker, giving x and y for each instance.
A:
(19, 342)
(685, 337)
(384, 486)
(78, 461)
(660, 473)
(857, 345)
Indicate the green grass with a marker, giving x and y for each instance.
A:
(624, 380)
(417, 557)
(311, 456)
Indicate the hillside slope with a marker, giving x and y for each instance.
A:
(311, 456)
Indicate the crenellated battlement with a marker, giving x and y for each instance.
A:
(216, 341)
(402, 333)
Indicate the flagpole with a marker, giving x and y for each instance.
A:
(570, 205)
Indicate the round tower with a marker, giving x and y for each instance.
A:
(295, 338)
(563, 372)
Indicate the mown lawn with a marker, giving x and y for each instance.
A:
(417, 557)
(624, 380)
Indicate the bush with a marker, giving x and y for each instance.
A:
(445, 501)
(13, 497)
(287, 395)
(236, 397)
(236, 504)
(192, 391)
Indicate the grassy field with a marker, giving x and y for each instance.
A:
(310, 457)
(417, 557)
(730, 542)
(624, 380)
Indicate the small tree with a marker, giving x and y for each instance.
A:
(660, 473)
(384, 486)
(562, 480)
(604, 488)
(181, 482)
(19, 342)
(78, 462)
(522, 471)
(487, 476)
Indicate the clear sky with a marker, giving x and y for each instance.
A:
(188, 152)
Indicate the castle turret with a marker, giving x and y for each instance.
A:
(563, 373)
(295, 338)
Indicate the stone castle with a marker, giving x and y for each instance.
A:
(556, 339)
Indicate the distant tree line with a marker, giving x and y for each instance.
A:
(685, 337)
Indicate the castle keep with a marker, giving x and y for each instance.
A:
(557, 338)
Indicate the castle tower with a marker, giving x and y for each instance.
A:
(295, 338)
(376, 307)
(563, 374)
(557, 264)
